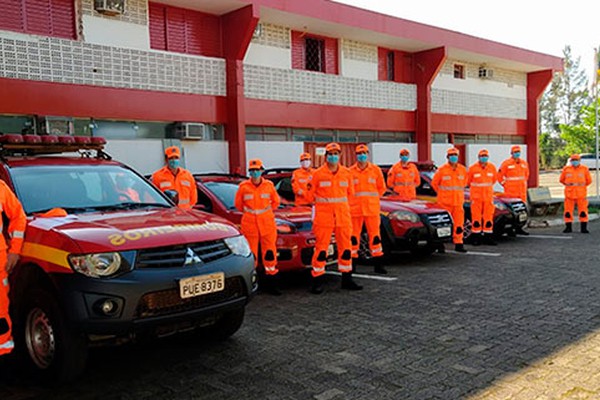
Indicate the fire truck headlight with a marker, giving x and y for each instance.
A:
(100, 265)
(238, 246)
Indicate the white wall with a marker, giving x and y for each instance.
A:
(275, 154)
(359, 69)
(438, 153)
(389, 153)
(209, 156)
(480, 86)
(268, 56)
(115, 33)
(145, 156)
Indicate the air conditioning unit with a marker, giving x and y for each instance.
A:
(192, 131)
(486, 73)
(55, 126)
(110, 7)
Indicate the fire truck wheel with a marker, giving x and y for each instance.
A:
(46, 345)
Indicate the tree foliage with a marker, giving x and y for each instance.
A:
(581, 138)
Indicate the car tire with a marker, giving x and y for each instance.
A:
(226, 326)
(45, 344)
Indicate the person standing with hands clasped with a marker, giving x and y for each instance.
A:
(301, 180)
(365, 206)
(576, 178)
(331, 191)
(256, 198)
(449, 182)
(173, 177)
(8, 259)
(403, 178)
(482, 177)
(513, 175)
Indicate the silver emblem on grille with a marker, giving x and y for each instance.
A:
(192, 258)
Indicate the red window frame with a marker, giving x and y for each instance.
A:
(55, 18)
(459, 71)
(184, 31)
(400, 61)
(330, 52)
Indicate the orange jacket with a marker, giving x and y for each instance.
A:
(331, 194)
(301, 178)
(576, 181)
(368, 188)
(257, 203)
(481, 181)
(513, 175)
(184, 183)
(128, 194)
(17, 221)
(404, 180)
(449, 183)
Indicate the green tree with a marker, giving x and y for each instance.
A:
(581, 138)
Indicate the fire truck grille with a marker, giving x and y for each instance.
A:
(440, 219)
(166, 302)
(178, 256)
(518, 207)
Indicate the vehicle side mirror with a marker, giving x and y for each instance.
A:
(173, 195)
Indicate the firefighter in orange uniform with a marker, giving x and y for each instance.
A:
(449, 182)
(513, 175)
(481, 179)
(8, 259)
(301, 179)
(123, 185)
(257, 198)
(576, 178)
(365, 207)
(174, 177)
(403, 178)
(331, 191)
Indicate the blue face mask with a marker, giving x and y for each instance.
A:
(333, 158)
(575, 163)
(255, 173)
(517, 155)
(484, 159)
(404, 158)
(453, 159)
(362, 157)
(174, 163)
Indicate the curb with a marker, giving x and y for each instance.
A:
(546, 223)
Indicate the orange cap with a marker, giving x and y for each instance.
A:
(515, 149)
(452, 151)
(305, 156)
(404, 152)
(172, 151)
(575, 157)
(362, 148)
(483, 152)
(332, 147)
(255, 164)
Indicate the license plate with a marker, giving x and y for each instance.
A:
(200, 285)
(444, 232)
(522, 217)
(331, 250)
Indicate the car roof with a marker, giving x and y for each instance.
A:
(30, 161)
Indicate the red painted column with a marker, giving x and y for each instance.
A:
(237, 29)
(426, 66)
(536, 84)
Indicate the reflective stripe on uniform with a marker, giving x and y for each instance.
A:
(331, 200)
(366, 194)
(443, 187)
(404, 184)
(475, 184)
(256, 212)
(302, 180)
(318, 269)
(9, 344)
(324, 183)
(373, 181)
(186, 183)
(515, 178)
(184, 201)
(18, 235)
(265, 196)
(343, 184)
(5, 281)
(248, 196)
(164, 184)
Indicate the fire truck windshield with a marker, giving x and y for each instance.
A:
(83, 188)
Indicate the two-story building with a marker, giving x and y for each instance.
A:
(235, 79)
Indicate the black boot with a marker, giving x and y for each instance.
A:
(476, 239)
(272, 286)
(460, 248)
(568, 227)
(348, 283)
(520, 231)
(317, 285)
(379, 268)
(488, 238)
(584, 227)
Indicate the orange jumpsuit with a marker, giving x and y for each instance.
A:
(257, 202)
(513, 175)
(301, 178)
(331, 193)
(16, 231)
(404, 180)
(449, 183)
(183, 182)
(128, 194)
(576, 181)
(481, 181)
(365, 207)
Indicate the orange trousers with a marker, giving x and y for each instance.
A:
(323, 240)
(268, 246)
(582, 208)
(372, 224)
(6, 342)
(482, 216)
(458, 219)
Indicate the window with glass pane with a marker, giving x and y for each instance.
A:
(391, 66)
(314, 53)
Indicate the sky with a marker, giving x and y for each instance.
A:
(539, 25)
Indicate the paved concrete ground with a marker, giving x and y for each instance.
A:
(518, 321)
